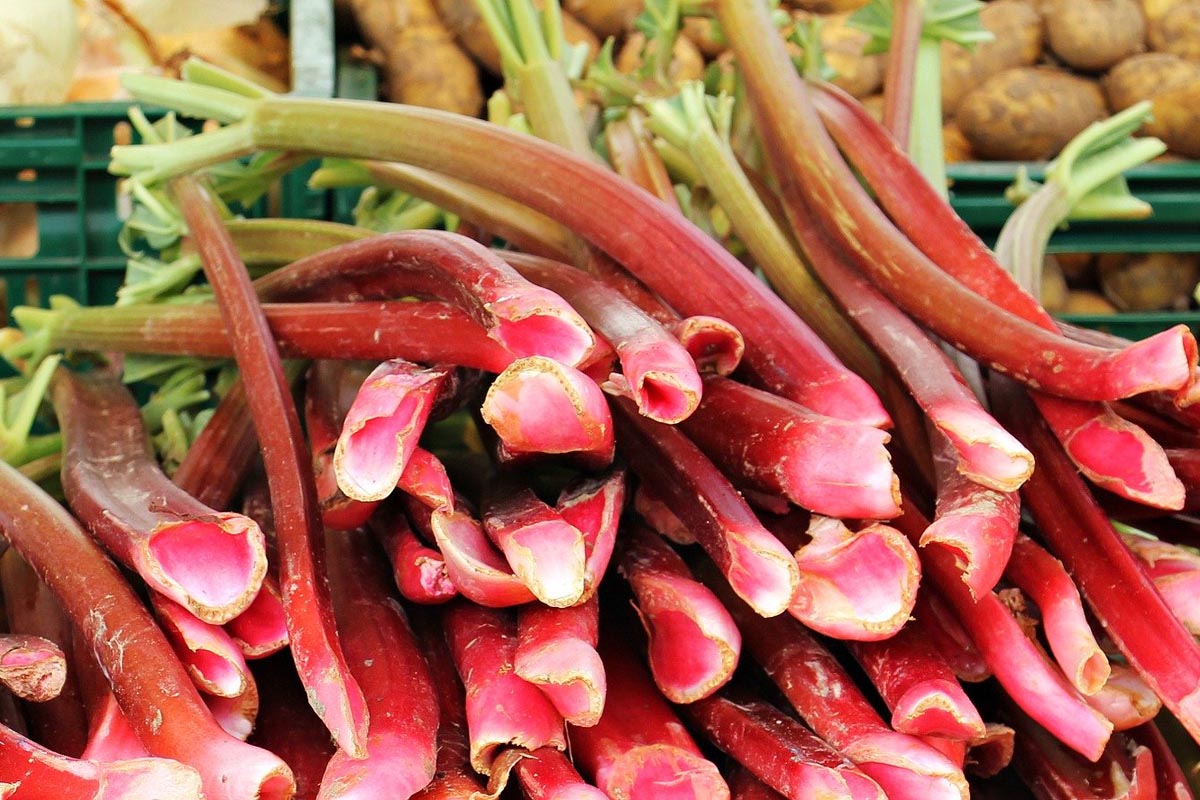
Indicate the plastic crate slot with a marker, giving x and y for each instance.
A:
(19, 232)
(33, 294)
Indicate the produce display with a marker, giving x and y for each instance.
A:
(664, 435)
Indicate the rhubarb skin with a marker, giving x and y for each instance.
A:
(31, 667)
(547, 774)
(659, 516)
(756, 564)
(1176, 574)
(502, 708)
(743, 785)
(556, 651)
(418, 570)
(1125, 699)
(936, 623)
(1172, 782)
(829, 466)
(639, 750)
(693, 642)
(114, 484)
(779, 750)
(388, 665)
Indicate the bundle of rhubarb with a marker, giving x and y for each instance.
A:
(490, 505)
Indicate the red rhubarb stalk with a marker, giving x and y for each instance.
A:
(1125, 699)
(714, 344)
(329, 389)
(1172, 782)
(779, 750)
(694, 644)
(918, 687)
(475, 567)
(152, 688)
(31, 667)
(639, 748)
(659, 516)
(937, 623)
(1175, 572)
(502, 708)
(331, 688)
(841, 469)
(114, 484)
(744, 786)
(556, 652)
(288, 727)
(209, 654)
(547, 774)
(110, 737)
(992, 752)
(755, 564)
(261, 630)
(594, 506)
(388, 665)
(425, 478)
(539, 405)
(419, 570)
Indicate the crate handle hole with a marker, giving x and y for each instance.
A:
(19, 237)
(33, 294)
(27, 175)
(25, 122)
(122, 133)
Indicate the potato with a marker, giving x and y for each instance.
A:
(1054, 286)
(1081, 301)
(1028, 113)
(1143, 76)
(955, 147)
(462, 17)
(855, 73)
(701, 31)
(1178, 31)
(1153, 282)
(687, 63)
(1154, 10)
(873, 103)
(605, 17)
(1018, 43)
(1076, 267)
(1176, 119)
(1092, 35)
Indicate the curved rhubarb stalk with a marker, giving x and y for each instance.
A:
(329, 389)
(811, 171)
(545, 551)
(1172, 782)
(659, 516)
(474, 566)
(110, 737)
(114, 484)
(546, 774)
(1125, 699)
(918, 686)
(934, 621)
(382, 426)
(319, 660)
(526, 319)
(694, 644)
(656, 370)
(841, 469)
(236, 715)
(594, 506)
(153, 689)
(426, 479)
(419, 571)
(261, 630)
(715, 345)
(1042, 577)
(502, 709)
(538, 405)
(977, 525)
(757, 566)
(29, 771)
(1176, 575)
(992, 752)
(387, 663)
(209, 654)
(779, 750)
(639, 748)
(31, 667)
(855, 584)
(556, 652)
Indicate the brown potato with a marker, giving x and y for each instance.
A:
(1153, 282)
(1178, 31)
(1175, 118)
(1081, 301)
(955, 147)
(1154, 10)
(605, 17)
(687, 63)
(1054, 286)
(1143, 76)
(873, 103)
(462, 17)
(1018, 43)
(1076, 267)
(701, 31)
(1092, 35)
(857, 74)
(1028, 113)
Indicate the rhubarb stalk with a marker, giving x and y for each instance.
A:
(547, 774)
(556, 652)
(419, 571)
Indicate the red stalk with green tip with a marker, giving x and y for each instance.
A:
(59, 724)
(594, 506)
(693, 273)
(1169, 776)
(828, 700)
(209, 654)
(757, 566)
(974, 523)
(320, 663)
(556, 652)
(388, 665)
(1042, 577)
(858, 585)
(779, 750)
(812, 172)
(693, 642)
(502, 709)
(545, 551)
(1175, 572)
(382, 426)
(1077, 531)
(1113, 453)
(114, 484)
(547, 774)
(832, 467)
(656, 371)
(918, 687)
(31, 667)
(1125, 699)
(418, 570)
(153, 689)
(261, 630)
(539, 405)
(639, 749)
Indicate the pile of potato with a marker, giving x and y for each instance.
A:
(1106, 283)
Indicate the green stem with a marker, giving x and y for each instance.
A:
(925, 140)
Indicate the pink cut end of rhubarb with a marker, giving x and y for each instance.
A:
(390, 770)
(907, 768)
(214, 567)
(1182, 593)
(549, 558)
(980, 537)
(541, 406)
(937, 708)
(159, 778)
(505, 711)
(33, 668)
(473, 564)
(662, 380)
(1125, 699)
(213, 660)
(843, 470)
(1164, 361)
(988, 454)
(571, 675)
(1175, 573)
(235, 715)
(761, 571)
(716, 347)
(425, 478)
(856, 585)
(1114, 453)
(425, 579)
(260, 630)
(594, 506)
(661, 772)
(540, 323)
